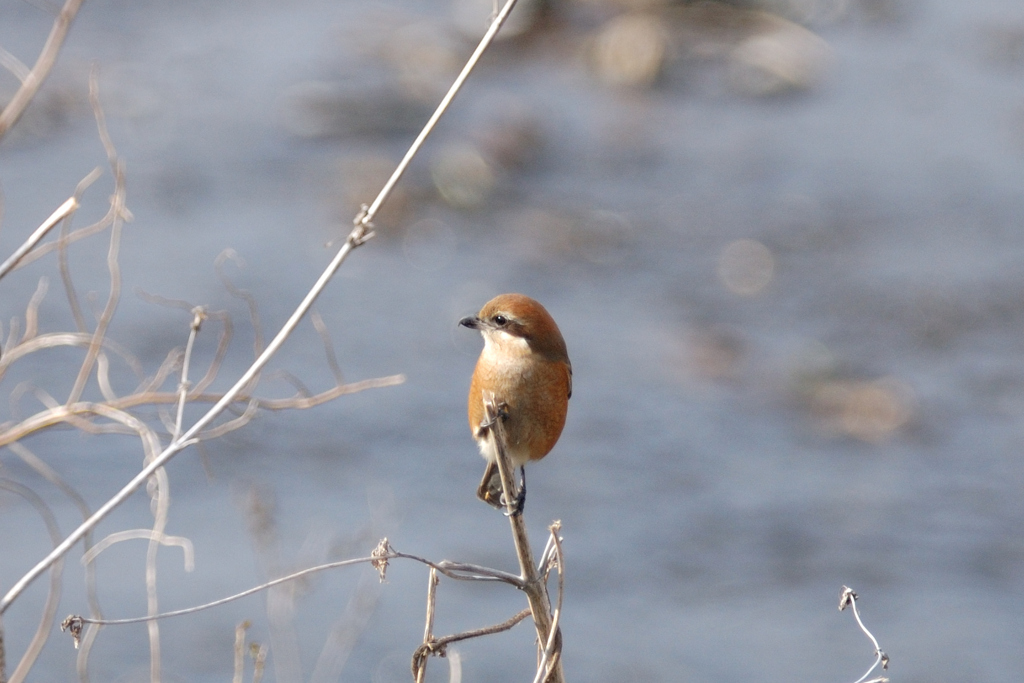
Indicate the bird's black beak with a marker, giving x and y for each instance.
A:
(471, 322)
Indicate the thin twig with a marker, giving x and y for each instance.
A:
(243, 294)
(147, 535)
(231, 598)
(62, 212)
(103, 377)
(51, 475)
(325, 337)
(240, 651)
(12, 338)
(367, 216)
(58, 414)
(64, 242)
(439, 645)
(533, 583)
(454, 658)
(53, 596)
(80, 233)
(14, 65)
(300, 387)
(53, 340)
(260, 657)
(420, 671)
(223, 343)
(231, 425)
(446, 568)
(432, 581)
(544, 564)
(552, 649)
(198, 315)
(462, 571)
(113, 266)
(356, 238)
(848, 597)
(32, 310)
(160, 502)
(34, 79)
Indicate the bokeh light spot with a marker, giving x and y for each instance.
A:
(746, 267)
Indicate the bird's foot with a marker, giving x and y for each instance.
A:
(500, 413)
(519, 500)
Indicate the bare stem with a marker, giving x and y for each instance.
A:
(120, 214)
(447, 568)
(34, 78)
(848, 598)
(462, 571)
(552, 649)
(53, 596)
(355, 239)
(240, 651)
(428, 631)
(260, 658)
(367, 216)
(438, 646)
(223, 601)
(534, 584)
(198, 315)
(62, 212)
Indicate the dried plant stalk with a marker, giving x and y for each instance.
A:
(31, 82)
(534, 584)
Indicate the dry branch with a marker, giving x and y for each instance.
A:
(240, 651)
(356, 238)
(847, 598)
(62, 212)
(438, 646)
(120, 214)
(419, 667)
(378, 559)
(362, 231)
(31, 82)
(534, 584)
(53, 595)
(112, 414)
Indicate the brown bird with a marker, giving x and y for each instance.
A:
(524, 367)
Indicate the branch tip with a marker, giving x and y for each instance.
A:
(846, 597)
(73, 624)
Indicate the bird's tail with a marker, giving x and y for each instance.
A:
(490, 486)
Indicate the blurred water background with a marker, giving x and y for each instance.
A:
(782, 239)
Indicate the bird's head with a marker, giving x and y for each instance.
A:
(514, 321)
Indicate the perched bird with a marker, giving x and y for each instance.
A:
(524, 368)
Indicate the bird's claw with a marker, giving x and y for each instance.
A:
(519, 502)
(500, 413)
(517, 505)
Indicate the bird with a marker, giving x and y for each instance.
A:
(524, 370)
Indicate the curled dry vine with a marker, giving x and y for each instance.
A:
(93, 406)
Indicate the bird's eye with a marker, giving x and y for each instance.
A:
(500, 320)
